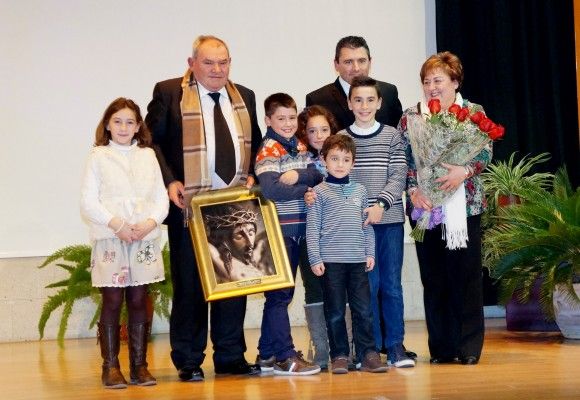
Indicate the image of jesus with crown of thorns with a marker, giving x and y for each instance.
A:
(237, 242)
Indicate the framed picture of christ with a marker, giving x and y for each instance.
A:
(238, 243)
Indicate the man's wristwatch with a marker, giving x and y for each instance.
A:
(381, 203)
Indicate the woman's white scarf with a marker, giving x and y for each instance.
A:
(454, 229)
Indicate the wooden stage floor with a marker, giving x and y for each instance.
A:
(514, 365)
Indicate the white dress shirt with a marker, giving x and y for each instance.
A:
(207, 105)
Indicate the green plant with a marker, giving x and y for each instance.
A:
(162, 292)
(76, 260)
(539, 238)
(503, 178)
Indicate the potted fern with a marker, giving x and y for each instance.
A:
(76, 261)
(503, 181)
(540, 239)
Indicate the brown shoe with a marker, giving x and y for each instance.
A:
(112, 378)
(340, 365)
(372, 363)
(295, 365)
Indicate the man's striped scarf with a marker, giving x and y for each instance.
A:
(197, 177)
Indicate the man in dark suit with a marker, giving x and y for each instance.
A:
(185, 109)
(352, 58)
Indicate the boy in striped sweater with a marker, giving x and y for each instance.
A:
(341, 250)
(381, 167)
(285, 172)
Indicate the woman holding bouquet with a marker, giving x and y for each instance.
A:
(446, 152)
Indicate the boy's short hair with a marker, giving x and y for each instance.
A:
(364, 81)
(351, 42)
(340, 142)
(277, 100)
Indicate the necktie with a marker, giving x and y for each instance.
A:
(225, 156)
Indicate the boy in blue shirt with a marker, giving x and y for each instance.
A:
(285, 172)
(341, 250)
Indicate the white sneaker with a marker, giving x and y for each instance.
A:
(398, 358)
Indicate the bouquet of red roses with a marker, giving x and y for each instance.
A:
(454, 137)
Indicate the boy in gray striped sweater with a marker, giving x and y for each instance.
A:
(382, 168)
(341, 250)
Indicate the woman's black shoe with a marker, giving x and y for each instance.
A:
(469, 360)
(442, 360)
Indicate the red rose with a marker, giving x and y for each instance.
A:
(462, 114)
(477, 117)
(486, 124)
(434, 106)
(454, 109)
(496, 132)
(404, 123)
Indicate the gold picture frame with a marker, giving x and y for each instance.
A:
(230, 263)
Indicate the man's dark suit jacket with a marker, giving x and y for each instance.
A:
(164, 121)
(333, 98)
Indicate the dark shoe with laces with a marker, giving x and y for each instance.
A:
(372, 363)
(265, 364)
(191, 374)
(411, 354)
(340, 365)
(240, 367)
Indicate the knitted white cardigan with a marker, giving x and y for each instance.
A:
(125, 182)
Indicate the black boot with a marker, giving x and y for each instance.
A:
(108, 337)
(138, 334)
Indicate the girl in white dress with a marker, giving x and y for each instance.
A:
(124, 202)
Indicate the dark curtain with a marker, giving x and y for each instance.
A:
(519, 63)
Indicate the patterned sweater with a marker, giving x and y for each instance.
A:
(334, 227)
(381, 167)
(273, 159)
(474, 194)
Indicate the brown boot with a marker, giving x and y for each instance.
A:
(108, 337)
(138, 334)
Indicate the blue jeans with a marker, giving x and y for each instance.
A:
(386, 288)
(276, 338)
(340, 279)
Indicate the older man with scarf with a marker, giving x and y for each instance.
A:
(193, 119)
